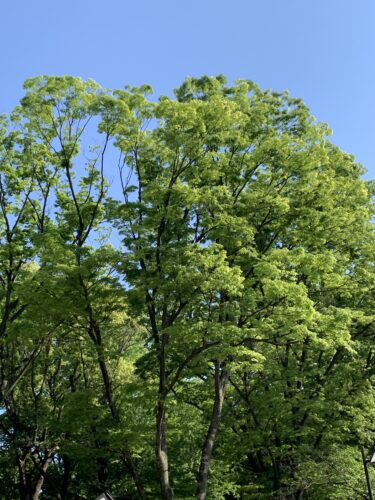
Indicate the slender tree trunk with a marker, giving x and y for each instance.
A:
(66, 478)
(94, 332)
(127, 456)
(161, 445)
(161, 453)
(24, 481)
(107, 385)
(40, 481)
(300, 493)
(221, 378)
(129, 463)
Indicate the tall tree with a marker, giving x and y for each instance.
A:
(243, 212)
(186, 296)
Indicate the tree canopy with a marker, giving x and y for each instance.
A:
(186, 296)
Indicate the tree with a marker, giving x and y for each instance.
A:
(216, 302)
(244, 216)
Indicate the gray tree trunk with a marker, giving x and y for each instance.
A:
(221, 378)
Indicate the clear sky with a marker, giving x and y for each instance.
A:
(321, 50)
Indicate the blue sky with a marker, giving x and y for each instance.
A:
(321, 50)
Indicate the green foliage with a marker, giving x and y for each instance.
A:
(153, 250)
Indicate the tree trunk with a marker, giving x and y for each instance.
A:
(94, 332)
(40, 481)
(24, 483)
(127, 455)
(129, 463)
(221, 378)
(161, 445)
(68, 468)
